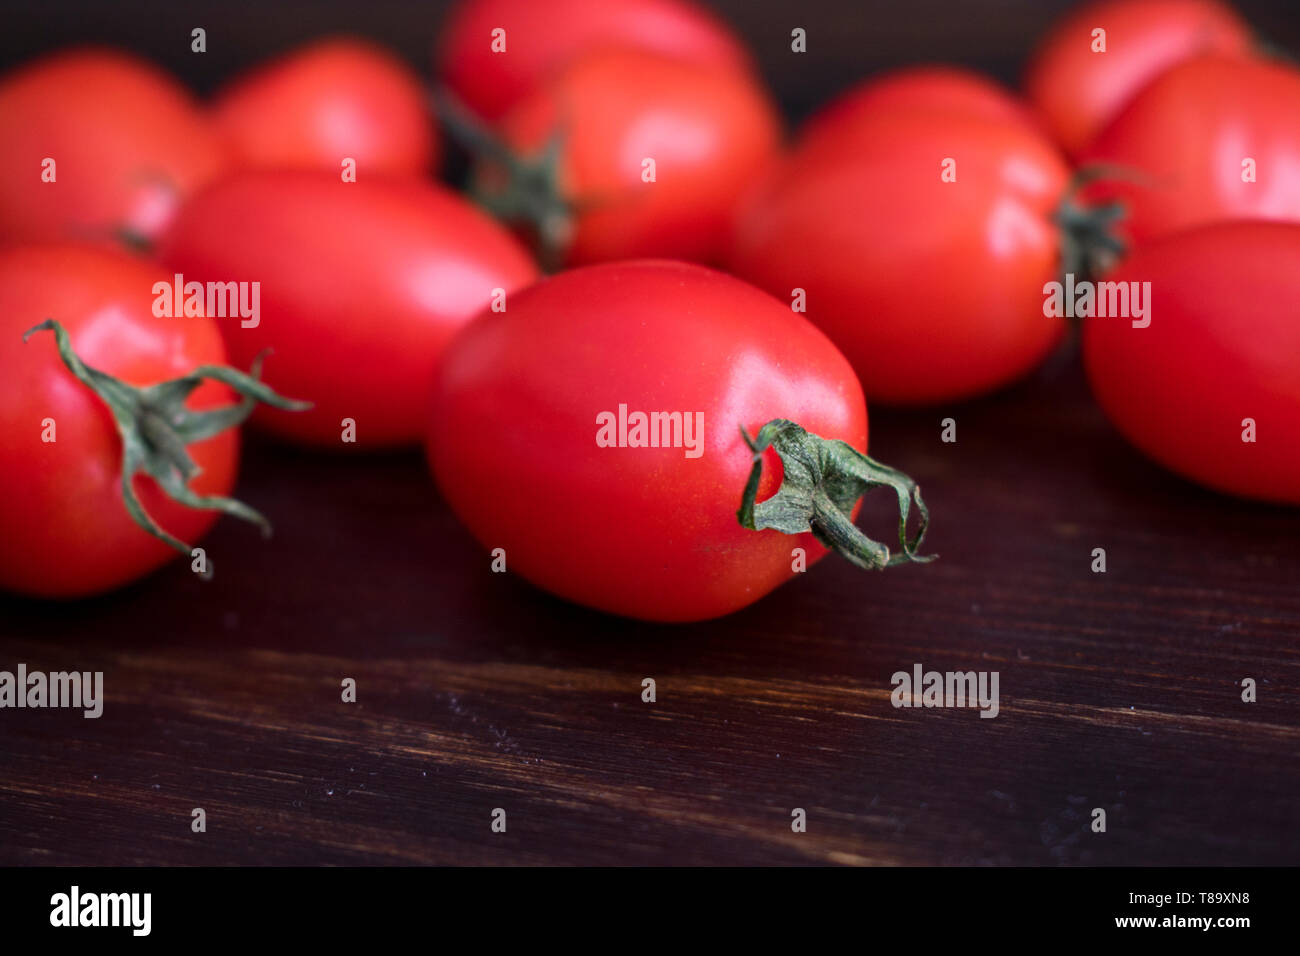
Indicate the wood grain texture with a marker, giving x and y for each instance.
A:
(476, 691)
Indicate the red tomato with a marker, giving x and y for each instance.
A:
(335, 98)
(128, 146)
(542, 37)
(361, 285)
(932, 289)
(946, 90)
(1223, 346)
(1187, 137)
(524, 396)
(1079, 91)
(708, 131)
(63, 528)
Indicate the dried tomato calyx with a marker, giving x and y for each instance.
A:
(823, 479)
(515, 188)
(1089, 245)
(156, 429)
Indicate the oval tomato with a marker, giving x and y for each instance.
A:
(127, 145)
(1211, 388)
(359, 285)
(64, 530)
(1212, 139)
(536, 443)
(932, 288)
(335, 98)
(652, 154)
(539, 38)
(1079, 91)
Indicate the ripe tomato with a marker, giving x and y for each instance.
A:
(361, 285)
(541, 37)
(335, 98)
(932, 289)
(524, 443)
(64, 530)
(1078, 92)
(1223, 346)
(1187, 138)
(947, 90)
(128, 146)
(708, 132)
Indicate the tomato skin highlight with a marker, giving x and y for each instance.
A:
(1078, 92)
(361, 286)
(64, 531)
(129, 145)
(643, 532)
(334, 98)
(1186, 136)
(1223, 346)
(932, 289)
(710, 132)
(542, 37)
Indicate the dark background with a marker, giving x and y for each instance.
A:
(1118, 691)
(847, 38)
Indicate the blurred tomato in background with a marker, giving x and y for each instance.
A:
(927, 88)
(540, 38)
(1210, 139)
(1211, 387)
(96, 143)
(333, 99)
(917, 238)
(1102, 53)
(361, 286)
(648, 156)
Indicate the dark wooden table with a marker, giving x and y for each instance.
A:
(1118, 690)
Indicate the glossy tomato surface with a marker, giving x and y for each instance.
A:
(932, 289)
(335, 98)
(63, 528)
(1223, 346)
(128, 144)
(1182, 147)
(645, 532)
(708, 131)
(1078, 91)
(540, 38)
(360, 285)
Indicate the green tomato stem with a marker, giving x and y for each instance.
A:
(822, 481)
(1089, 245)
(156, 428)
(529, 192)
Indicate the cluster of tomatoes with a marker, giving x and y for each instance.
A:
(898, 249)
